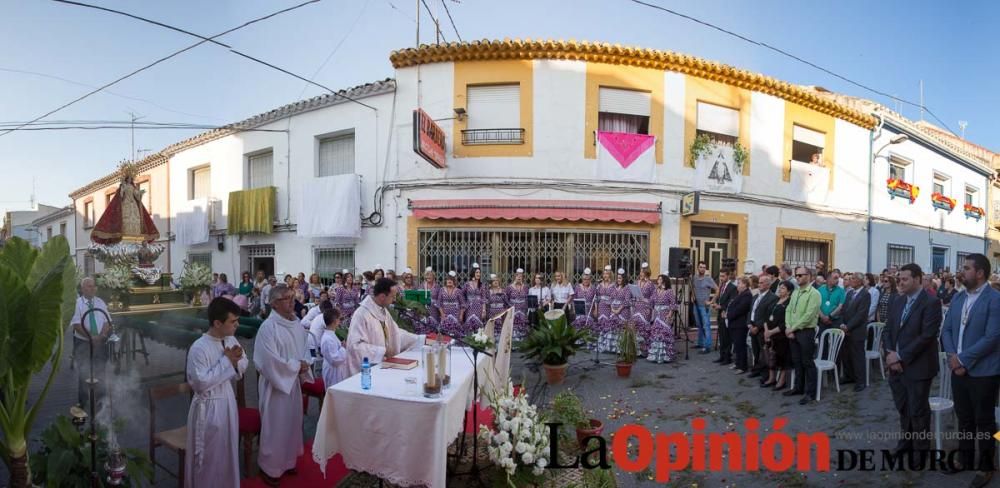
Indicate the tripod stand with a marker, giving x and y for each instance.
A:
(474, 471)
(682, 321)
(597, 346)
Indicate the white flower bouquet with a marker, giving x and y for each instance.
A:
(480, 339)
(196, 276)
(520, 443)
(117, 278)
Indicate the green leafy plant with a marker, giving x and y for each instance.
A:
(567, 409)
(195, 276)
(37, 294)
(704, 143)
(115, 278)
(407, 312)
(740, 156)
(626, 345)
(64, 458)
(554, 342)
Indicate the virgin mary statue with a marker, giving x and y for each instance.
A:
(125, 219)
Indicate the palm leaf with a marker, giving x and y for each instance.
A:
(12, 309)
(34, 340)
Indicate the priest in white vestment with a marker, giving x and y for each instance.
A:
(281, 357)
(212, 456)
(374, 335)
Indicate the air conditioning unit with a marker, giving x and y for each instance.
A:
(214, 213)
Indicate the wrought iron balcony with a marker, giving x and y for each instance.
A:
(479, 137)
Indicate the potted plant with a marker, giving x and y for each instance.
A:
(195, 278)
(554, 342)
(37, 293)
(64, 457)
(568, 410)
(626, 351)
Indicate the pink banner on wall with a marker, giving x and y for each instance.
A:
(625, 148)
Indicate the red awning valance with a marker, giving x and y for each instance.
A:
(571, 210)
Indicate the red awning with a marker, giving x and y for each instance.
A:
(571, 210)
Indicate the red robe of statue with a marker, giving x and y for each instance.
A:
(125, 217)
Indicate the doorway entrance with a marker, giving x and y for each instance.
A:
(939, 258)
(258, 258)
(712, 244)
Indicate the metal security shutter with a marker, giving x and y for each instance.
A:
(618, 101)
(808, 136)
(260, 169)
(718, 119)
(494, 107)
(336, 156)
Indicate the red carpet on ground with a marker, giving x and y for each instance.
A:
(309, 474)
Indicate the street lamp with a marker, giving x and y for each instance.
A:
(896, 139)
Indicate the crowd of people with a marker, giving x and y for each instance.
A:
(768, 325)
(931, 325)
(602, 306)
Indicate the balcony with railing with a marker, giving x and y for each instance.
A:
(481, 137)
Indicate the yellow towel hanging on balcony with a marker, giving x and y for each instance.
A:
(251, 211)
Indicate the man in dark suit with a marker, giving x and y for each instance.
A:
(758, 313)
(737, 319)
(727, 291)
(910, 342)
(855, 316)
(971, 339)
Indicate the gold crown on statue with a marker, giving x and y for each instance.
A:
(128, 169)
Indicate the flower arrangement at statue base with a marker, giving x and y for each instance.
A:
(520, 444)
(195, 278)
(116, 279)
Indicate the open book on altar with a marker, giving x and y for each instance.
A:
(399, 363)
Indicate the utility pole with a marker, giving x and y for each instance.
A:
(921, 100)
(418, 25)
(134, 118)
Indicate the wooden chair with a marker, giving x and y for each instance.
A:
(173, 439)
(249, 425)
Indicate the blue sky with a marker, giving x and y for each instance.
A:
(890, 45)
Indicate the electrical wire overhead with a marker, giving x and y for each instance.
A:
(158, 61)
(796, 58)
(445, 4)
(213, 41)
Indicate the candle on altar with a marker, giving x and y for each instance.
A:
(431, 379)
(442, 362)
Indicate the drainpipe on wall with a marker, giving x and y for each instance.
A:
(871, 170)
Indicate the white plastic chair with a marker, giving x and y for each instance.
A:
(875, 352)
(826, 359)
(942, 402)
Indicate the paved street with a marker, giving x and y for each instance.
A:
(661, 397)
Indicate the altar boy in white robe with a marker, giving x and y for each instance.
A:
(374, 335)
(214, 360)
(281, 357)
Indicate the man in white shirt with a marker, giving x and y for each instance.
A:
(94, 326)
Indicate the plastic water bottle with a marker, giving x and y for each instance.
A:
(366, 375)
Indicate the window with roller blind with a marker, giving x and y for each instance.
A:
(942, 184)
(721, 124)
(200, 182)
(336, 155)
(260, 170)
(971, 196)
(807, 145)
(898, 255)
(624, 111)
(899, 168)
